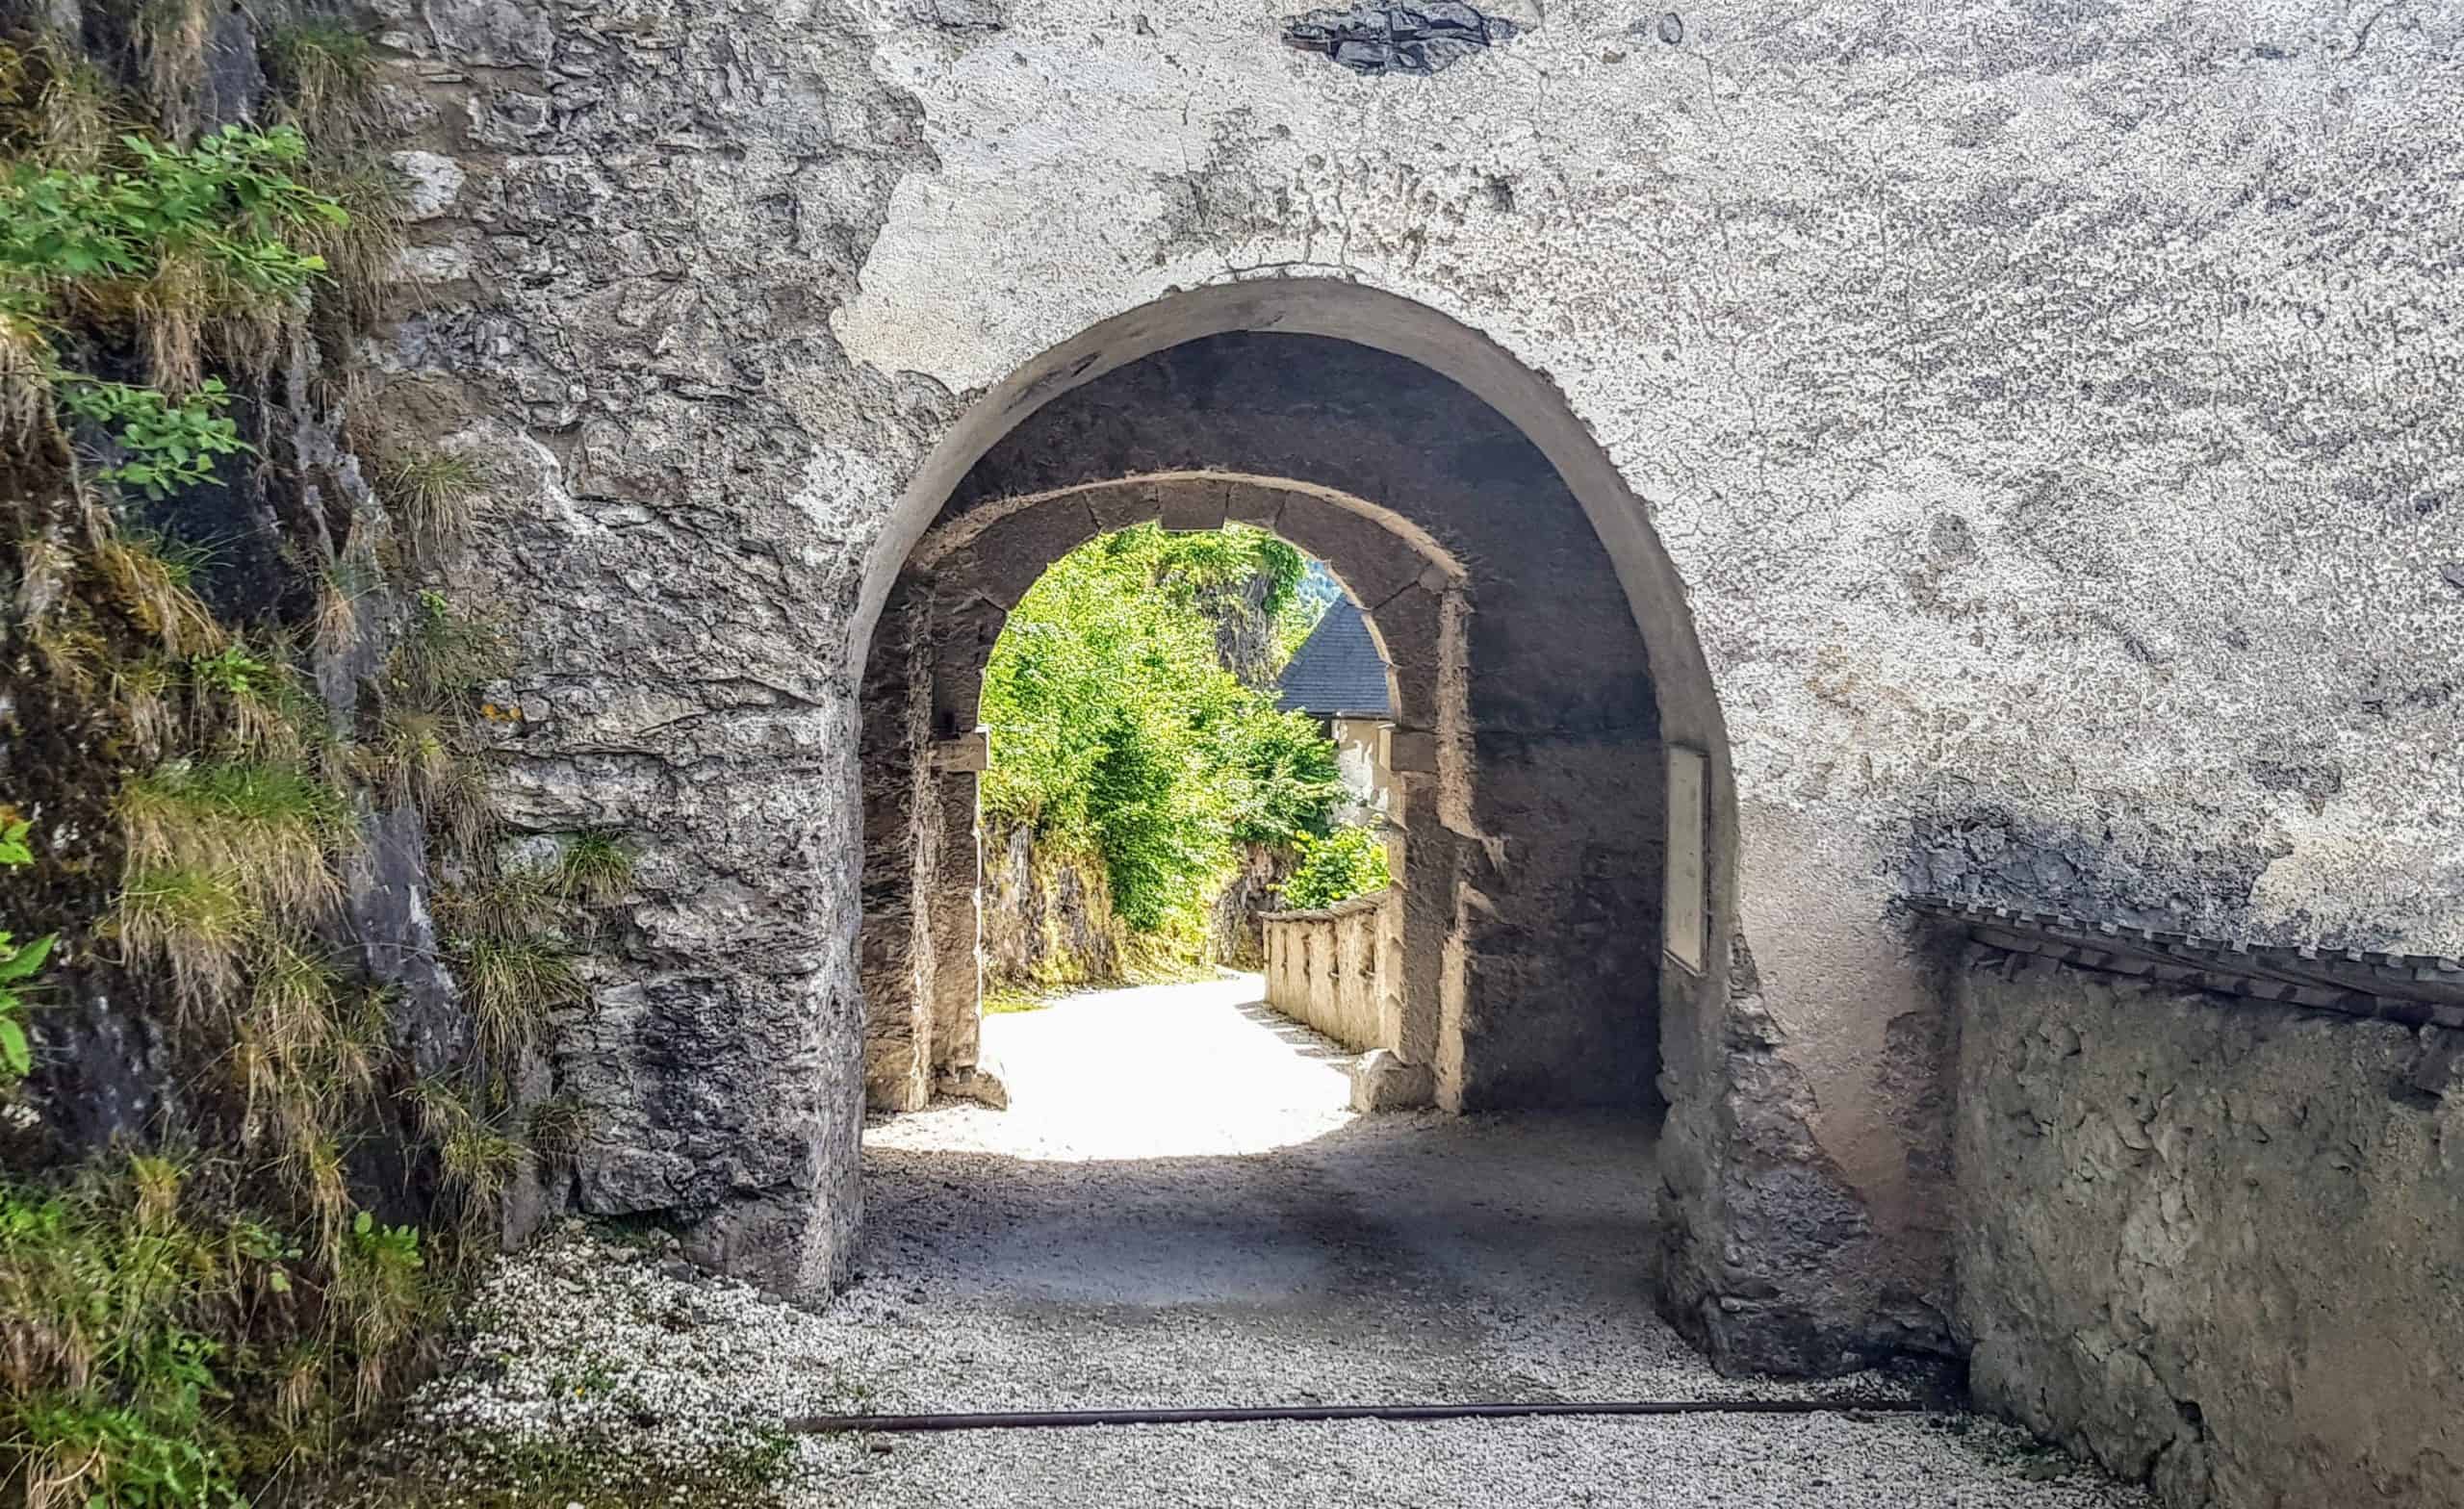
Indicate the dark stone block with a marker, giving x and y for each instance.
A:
(1396, 38)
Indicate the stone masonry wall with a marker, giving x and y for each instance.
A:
(2048, 411)
(1323, 969)
(2215, 1244)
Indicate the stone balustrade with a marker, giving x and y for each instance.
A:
(1323, 969)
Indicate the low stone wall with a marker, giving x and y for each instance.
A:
(1323, 969)
(2215, 1243)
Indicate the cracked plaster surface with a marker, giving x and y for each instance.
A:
(2048, 418)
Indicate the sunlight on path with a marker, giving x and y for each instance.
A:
(1154, 1071)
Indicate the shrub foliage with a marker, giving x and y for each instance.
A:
(1117, 733)
(1350, 862)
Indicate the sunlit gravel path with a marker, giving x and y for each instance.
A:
(1179, 1210)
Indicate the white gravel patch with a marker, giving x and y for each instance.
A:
(1177, 1211)
(1710, 1462)
(590, 1366)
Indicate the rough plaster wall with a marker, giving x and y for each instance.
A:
(2215, 1243)
(2044, 410)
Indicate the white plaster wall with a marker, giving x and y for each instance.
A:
(2045, 411)
(1775, 267)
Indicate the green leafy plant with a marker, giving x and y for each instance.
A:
(1350, 862)
(19, 964)
(231, 670)
(1117, 733)
(170, 445)
(381, 1292)
(227, 200)
(160, 1337)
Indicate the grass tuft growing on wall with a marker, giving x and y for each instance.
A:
(327, 76)
(191, 924)
(594, 869)
(436, 495)
(556, 1128)
(512, 985)
(269, 829)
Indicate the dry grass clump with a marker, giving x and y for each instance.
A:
(327, 77)
(557, 1129)
(269, 829)
(151, 581)
(436, 496)
(191, 924)
(477, 1161)
(511, 986)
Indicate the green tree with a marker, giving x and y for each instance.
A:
(1118, 732)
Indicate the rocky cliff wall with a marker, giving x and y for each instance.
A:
(1048, 918)
(2215, 1244)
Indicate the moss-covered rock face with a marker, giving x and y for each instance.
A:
(247, 1112)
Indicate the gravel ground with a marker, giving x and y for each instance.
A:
(1177, 1210)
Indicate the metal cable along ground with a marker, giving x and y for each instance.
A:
(1030, 1419)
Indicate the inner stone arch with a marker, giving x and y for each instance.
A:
(922, 757)
(1526, 928)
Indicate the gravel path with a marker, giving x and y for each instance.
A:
(1178, 1209)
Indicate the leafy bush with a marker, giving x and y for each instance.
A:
(1350, 862)
(1117, 733)
(227, 201)
(170, 444)
(168, 241)
(18, 962)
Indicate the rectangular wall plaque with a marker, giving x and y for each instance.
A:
(1685, 910)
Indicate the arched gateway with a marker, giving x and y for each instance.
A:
(1559, 935)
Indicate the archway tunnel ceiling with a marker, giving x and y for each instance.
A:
(1389, 431)
(1528, 924)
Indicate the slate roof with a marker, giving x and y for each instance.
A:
(1337, 670)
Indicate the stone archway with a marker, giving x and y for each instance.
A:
(1737, 1268)
(1527, 936)
(922, 753)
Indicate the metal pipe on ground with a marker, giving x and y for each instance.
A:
(1045, 1419)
